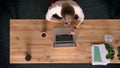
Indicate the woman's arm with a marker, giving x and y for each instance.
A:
(79, 12)
(78, 24)
(49, 14)
(75, 27)
(52, 15)
(79, 18)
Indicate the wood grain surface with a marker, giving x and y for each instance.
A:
(25, 38)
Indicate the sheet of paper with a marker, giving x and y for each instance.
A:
(99, 55)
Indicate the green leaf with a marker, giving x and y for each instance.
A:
(107, 46)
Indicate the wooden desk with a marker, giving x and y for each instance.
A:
(25, 37)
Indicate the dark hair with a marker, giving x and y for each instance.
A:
(67, 9)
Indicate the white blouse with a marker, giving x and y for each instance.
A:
(55, 8)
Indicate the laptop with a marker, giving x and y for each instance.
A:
(62, 38)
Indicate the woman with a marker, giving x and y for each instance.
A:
(65, 11)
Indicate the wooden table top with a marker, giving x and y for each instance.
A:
(25, 38)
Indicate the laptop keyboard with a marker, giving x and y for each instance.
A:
(65, 37)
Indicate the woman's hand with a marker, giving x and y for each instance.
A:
(73, 31)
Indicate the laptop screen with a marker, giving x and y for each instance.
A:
(64, 37)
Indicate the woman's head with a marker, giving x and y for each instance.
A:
(67, 12)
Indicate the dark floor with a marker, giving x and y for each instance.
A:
(36, 9)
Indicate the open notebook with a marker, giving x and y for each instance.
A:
(99, 55)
